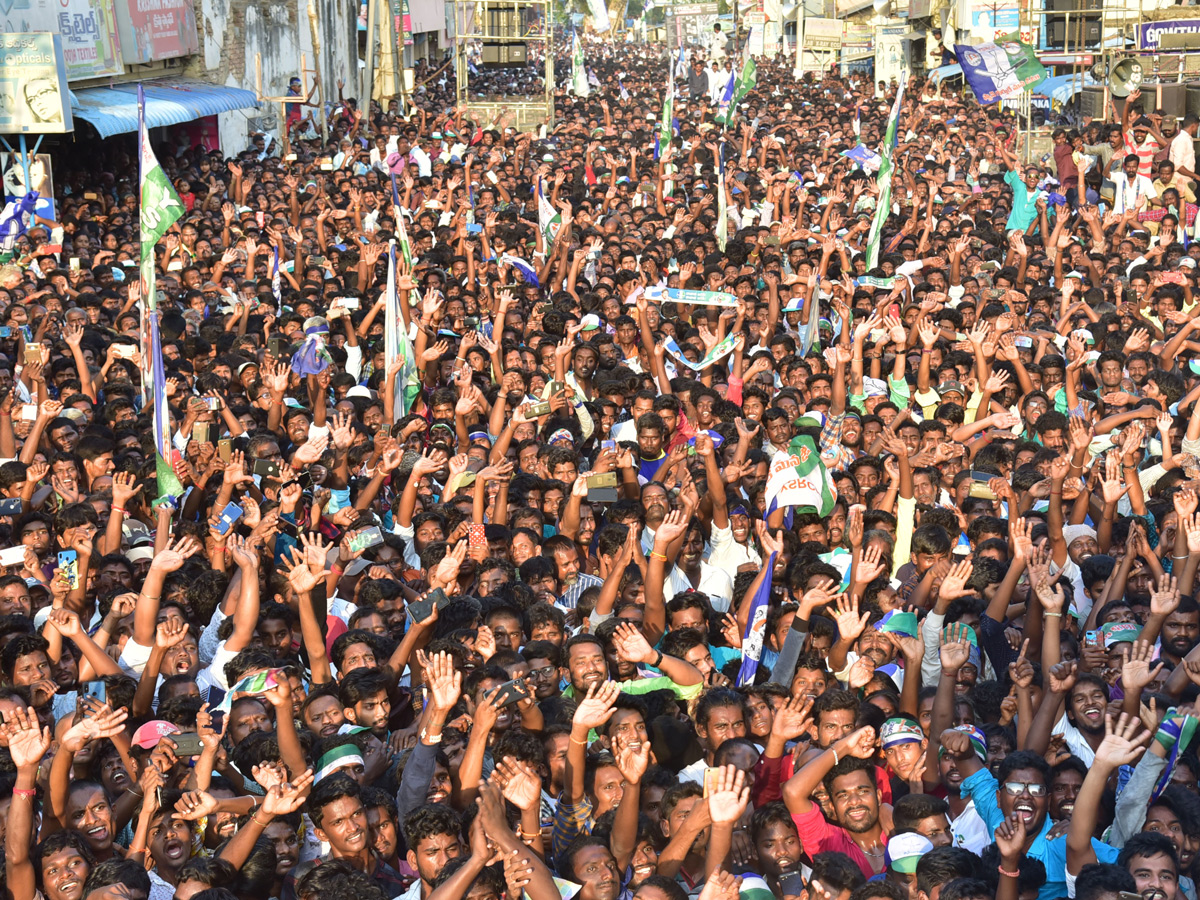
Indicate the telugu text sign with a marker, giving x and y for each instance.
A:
(88, 28)
(156, 29)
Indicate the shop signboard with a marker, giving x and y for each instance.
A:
(156, 29)
(91, 48)
(33, 85)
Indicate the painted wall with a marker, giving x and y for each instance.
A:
(233, 32)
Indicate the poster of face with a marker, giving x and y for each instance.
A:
(33, 78)
(40, 177)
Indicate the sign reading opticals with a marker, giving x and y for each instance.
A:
(33, 85)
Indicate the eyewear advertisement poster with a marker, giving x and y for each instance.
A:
(156, 29)
(39, 176)
(88, 28)
(33, 95)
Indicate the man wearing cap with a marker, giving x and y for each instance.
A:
(903, 853)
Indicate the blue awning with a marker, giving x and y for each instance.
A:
(169, 101)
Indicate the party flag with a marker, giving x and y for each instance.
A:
(722, 201)
(579, 79)
(160, 206)
(665, 128)
(276, 288)
(883, 206)
(752, 640)
(396, 345)
(744, 84)
(549, 219)
(801, 480)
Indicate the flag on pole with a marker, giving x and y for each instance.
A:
(722, 203)
(752, 641)
(160, 206)
(402, 240)
(744, 84)
(883, 204)
(812, 328)
(396, 345)
(666, 127)
(160, 209)
(726, 99)
(800, 479)
(276, 288)
(549, 219)
(579, 79)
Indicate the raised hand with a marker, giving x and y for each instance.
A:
(1164, 598)
(1136, 673)
(956, 647)
(597, 707)
(631, 645)
(850, 623)
(632, 756)
(518, 782)
(1010, 839)
(792, 720)
(730, 796)
(1122, 745)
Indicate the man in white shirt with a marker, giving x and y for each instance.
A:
(1132, 191)
(1183, 150)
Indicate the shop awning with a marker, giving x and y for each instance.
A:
(169, 101)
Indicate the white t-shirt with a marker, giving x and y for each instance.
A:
(1130, 194)
(1183, 152)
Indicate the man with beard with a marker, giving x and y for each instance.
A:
(655, 505)
(848, 775)
(1181, 631)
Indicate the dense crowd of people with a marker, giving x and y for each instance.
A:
(491, 625)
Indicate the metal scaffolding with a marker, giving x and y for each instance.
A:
(505, 32)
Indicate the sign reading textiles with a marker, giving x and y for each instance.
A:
(156, 29)
(33, 90)
(88, 29)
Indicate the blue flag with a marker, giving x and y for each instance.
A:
(756, 627)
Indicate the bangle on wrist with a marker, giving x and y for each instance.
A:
(1000, 868)
(833, 747)
(658, 662)
(29, 793)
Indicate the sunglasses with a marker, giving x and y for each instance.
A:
(1016, 788)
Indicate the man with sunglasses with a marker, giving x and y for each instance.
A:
(1021, 789)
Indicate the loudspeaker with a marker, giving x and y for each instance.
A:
(1125, 77)
(1193, 98)
(1064, 34)
(1170, 98)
